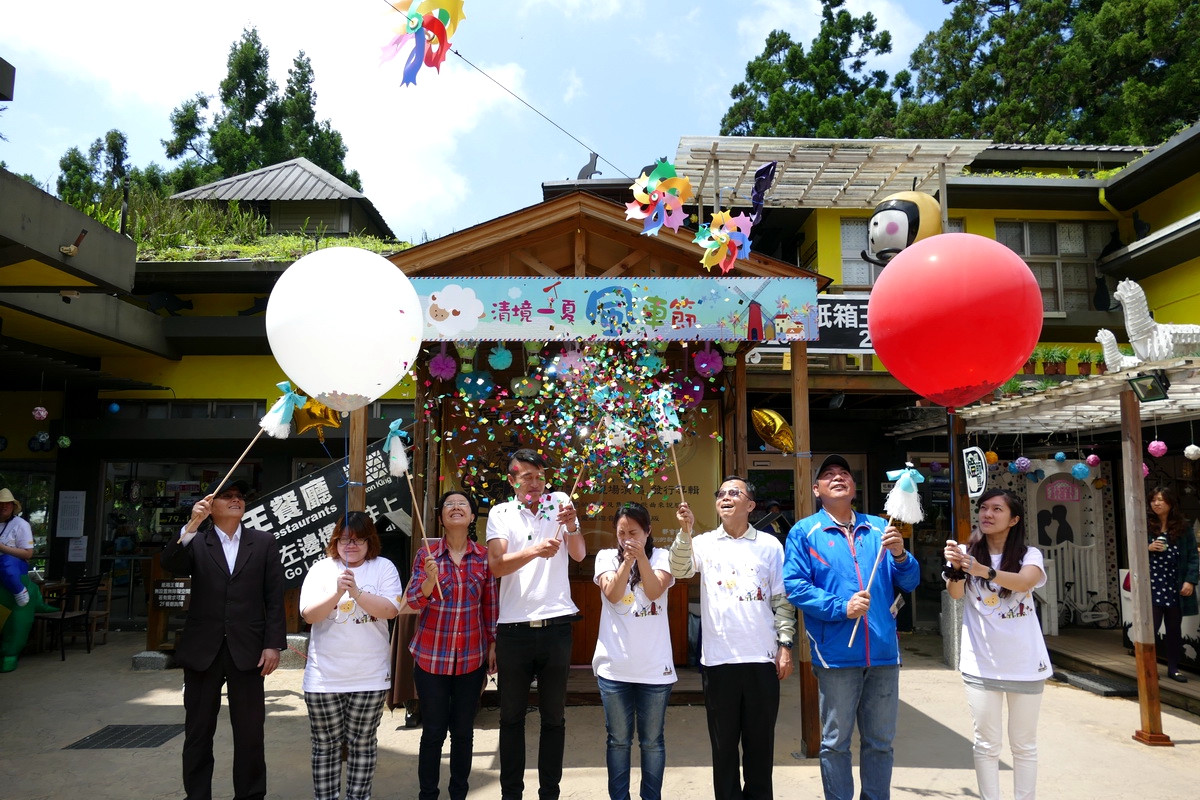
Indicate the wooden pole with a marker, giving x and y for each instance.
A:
(1141, 633)
(810, 717)
(237, 463)
(358, 460)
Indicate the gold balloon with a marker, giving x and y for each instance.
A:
(773, 429)
(316, 415)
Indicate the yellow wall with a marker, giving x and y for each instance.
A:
(1174, 295)
(212, 378)
(1173, 204)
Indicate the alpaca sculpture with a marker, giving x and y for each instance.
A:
(1152, 341)
(1114, 359)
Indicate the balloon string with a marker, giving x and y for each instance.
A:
(870, 580)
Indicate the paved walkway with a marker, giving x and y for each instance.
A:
(1086, 749)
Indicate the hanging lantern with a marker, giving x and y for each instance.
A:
(991, 457)
(40, 413)
(531, 353)
(1191, 452)
(443, 366)
(1023, 464)
(114, 408)
(1094, 460)
(707, 362)
(1080, 471)
(466, 352)
(64, 442)
(1145, 470)
(500, 358)
(1060, 456)
(1157, 449)
(730, 350)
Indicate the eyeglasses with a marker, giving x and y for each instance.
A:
(459, 504)
(731, 493)
(351, 542)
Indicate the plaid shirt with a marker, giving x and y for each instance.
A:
(453, 634)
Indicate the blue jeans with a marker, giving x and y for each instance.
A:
(869, 696)
(622, 702)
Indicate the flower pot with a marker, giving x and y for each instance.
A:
(1101, 368)
(1030, 367)
(1085, 368)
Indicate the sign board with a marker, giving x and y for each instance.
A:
(717, 308)
(975, 468)
(302, 514)
(70, 514)
(842, 325)
(173, 594)
(77, 549)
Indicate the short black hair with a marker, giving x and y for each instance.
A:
(750, 488)
(527, 455)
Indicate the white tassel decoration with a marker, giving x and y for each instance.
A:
(397, 457)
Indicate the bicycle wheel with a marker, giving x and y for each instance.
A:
(1064, 614)
(1111, 618)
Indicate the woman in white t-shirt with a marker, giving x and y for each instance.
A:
(633, 661)
(348, 598)
(1003, 655)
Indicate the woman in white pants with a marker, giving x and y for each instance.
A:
(1003, 656)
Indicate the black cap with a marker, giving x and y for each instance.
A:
(240, 485)
(832, 461)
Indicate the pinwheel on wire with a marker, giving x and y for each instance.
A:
(429, 26)
(725, 240)
(659, 198)
(903, 504)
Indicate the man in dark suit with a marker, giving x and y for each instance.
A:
(234, 631)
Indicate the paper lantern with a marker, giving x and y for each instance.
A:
(345, 326)
(933, 317)
(1157, 449)
(991, 457)
(500, 358)
(1060, 456)
(40, 413)
(1080, 471)
(1023, 464)
(1145, 470)
(64, 442)
(1094, 460)
(1191, 452)
(113, 408)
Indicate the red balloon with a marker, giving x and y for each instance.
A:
(954, 316)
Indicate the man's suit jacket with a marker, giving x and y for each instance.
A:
(244, 609)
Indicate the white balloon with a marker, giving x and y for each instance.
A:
(345, 326)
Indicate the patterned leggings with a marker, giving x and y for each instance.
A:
(352, 718)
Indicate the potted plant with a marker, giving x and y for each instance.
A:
(1010, 387)
(1054, 362)
(1101, 364)
(1038, 354)
(1085, 357)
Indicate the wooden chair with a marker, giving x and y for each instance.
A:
(75, 612)
(99, 616)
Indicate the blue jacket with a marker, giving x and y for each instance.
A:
(821, 572)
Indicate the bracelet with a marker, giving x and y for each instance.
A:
(901, 560)
(953, 575)
(575, 532)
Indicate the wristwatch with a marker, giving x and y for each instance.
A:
(991, 576)
(786, 645)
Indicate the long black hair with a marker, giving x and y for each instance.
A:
(638, 513)
(471, 533)
(1175, 520)
(1014, 545)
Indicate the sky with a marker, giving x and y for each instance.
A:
(627, 79)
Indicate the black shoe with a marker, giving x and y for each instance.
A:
(412, 714)
(1177, 676)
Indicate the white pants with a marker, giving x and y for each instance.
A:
(988, 710)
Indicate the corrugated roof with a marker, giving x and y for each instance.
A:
(298, 179)
(1075, 148)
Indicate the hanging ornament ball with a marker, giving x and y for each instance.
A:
(1060, 456)
(935, 467)
(708, 363)
(1094, 460)
(991, 457)
(1157, 449)
(443, 366)
(1012, 467)
(355, 287)
(1023, 464)
(1080, 471)
(1192, 452)
(947, 283)
(113, 408)
(500, 358)
(40, 413)
(64, 441)
(1145, 470)
(689, 392)
(43, 436)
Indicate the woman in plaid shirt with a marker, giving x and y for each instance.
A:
(454, 648)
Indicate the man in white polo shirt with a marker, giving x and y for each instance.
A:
(747, 627)
(525, 539)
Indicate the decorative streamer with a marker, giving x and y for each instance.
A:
(429, 27)
(278, 421)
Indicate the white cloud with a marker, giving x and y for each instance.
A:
(588, 9)
(574, 86)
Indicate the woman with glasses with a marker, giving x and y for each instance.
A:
(634, 664)
(348, 598)
(454, 649)
(1003, 656)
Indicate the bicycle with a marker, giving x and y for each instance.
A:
(1102, 613)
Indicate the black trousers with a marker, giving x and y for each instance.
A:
(448, 703)
(522, 654)
(742, 701)
(1173, 636)
(247, 713)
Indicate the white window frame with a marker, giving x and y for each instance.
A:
(852, 252)
(1086, 259)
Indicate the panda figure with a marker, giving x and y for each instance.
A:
(898, 221)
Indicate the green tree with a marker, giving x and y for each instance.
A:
(98, 175)
(824, 92)
(255, 126)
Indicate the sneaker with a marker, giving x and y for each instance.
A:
(22, 597)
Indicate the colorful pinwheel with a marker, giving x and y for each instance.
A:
(725, 240)
(429, 26)
(659, 198)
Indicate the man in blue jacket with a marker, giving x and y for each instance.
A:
(828, 561)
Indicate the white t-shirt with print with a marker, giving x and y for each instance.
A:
(739, 576)
(348, 651)
(541, 588)
(1002, 638)
(634, 643)
(16, 533)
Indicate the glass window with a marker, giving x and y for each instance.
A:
(1062, 257)
(234, 410)
(189, 410)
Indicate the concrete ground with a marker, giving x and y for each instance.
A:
(1085, 744)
